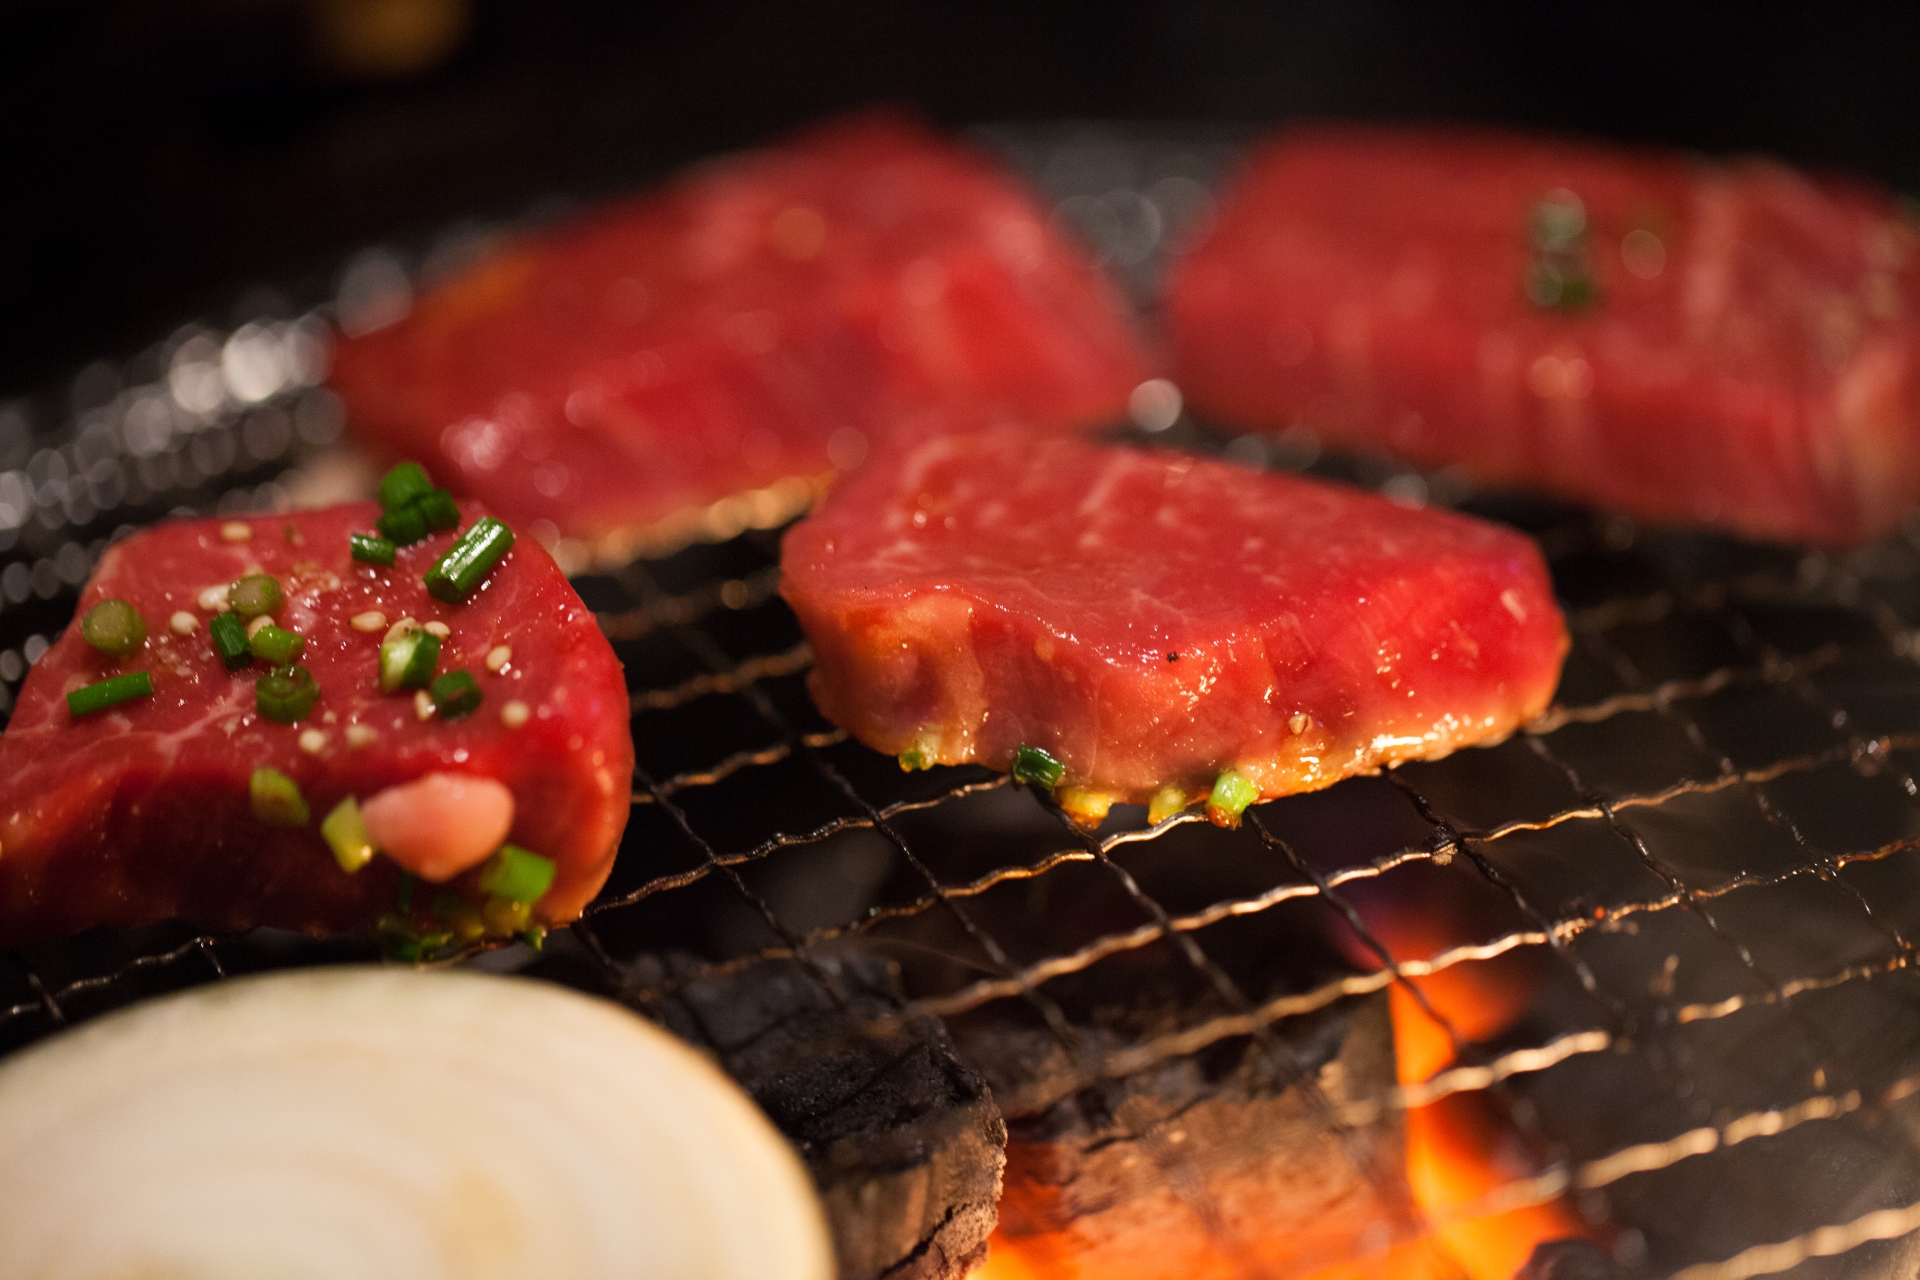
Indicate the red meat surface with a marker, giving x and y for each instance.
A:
(141, 812)
(1749, 360)
(742, 332)
(1153, 619)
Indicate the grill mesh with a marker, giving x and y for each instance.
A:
(1710, 846)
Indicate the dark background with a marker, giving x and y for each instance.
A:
(158, 155)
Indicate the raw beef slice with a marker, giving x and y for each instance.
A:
(144, 811)
(1733, 344)
(739, 334)
(1153, 627)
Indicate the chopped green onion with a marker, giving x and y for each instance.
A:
(419, 948)
(423, 947)
(110, 692)
(1229, 799)
(456, 573)
(370, 549)
(230, 640)
(401, 940)
(925, 751)
(1036, 768)
(517, 874)
(254, 595)
(114, 627)
(438, 510)
(286, 693)
(271, 644)
(276, 798)
(1166, 802)
(403, 527)
(459, 915)
(1560, 274)
(400, 486)
(455, 694)
(403, 900)
(536, 937)
(346, 834)
(407, 660)
(1559, 222)
(504, 917)
(1551, 285)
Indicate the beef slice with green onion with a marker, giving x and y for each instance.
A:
(1163, 628)
(1732, 343)
(141, 812)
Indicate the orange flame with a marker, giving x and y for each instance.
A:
(1004, 1263)
(1463, 1146)
(1458, 1148)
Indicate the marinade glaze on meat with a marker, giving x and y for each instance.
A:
(142, 813)
(1732, 344)
(1153, 620)
(740, 333)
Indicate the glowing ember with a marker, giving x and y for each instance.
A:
(1005, 1263)
(1459, 1149)
(1462, 1146)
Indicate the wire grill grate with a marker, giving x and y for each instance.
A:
(1709, 847)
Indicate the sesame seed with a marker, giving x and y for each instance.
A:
(236, 531)
(183, 623)
(404, 627)
(371, 620)
(498, 657)
(438, 629)
(422, 705)
(362, 735)
(214, 599)
(254, 627)
(1297, 722)
(514, 714)
(313, 742)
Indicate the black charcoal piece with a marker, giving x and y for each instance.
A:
(904, 1143)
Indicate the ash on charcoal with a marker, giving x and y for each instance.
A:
(904, 1143)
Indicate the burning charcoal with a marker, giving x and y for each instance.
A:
(1570, 1260)
(904, 1143)
(1205, 1165)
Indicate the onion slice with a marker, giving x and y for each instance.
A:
(369, 1123)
